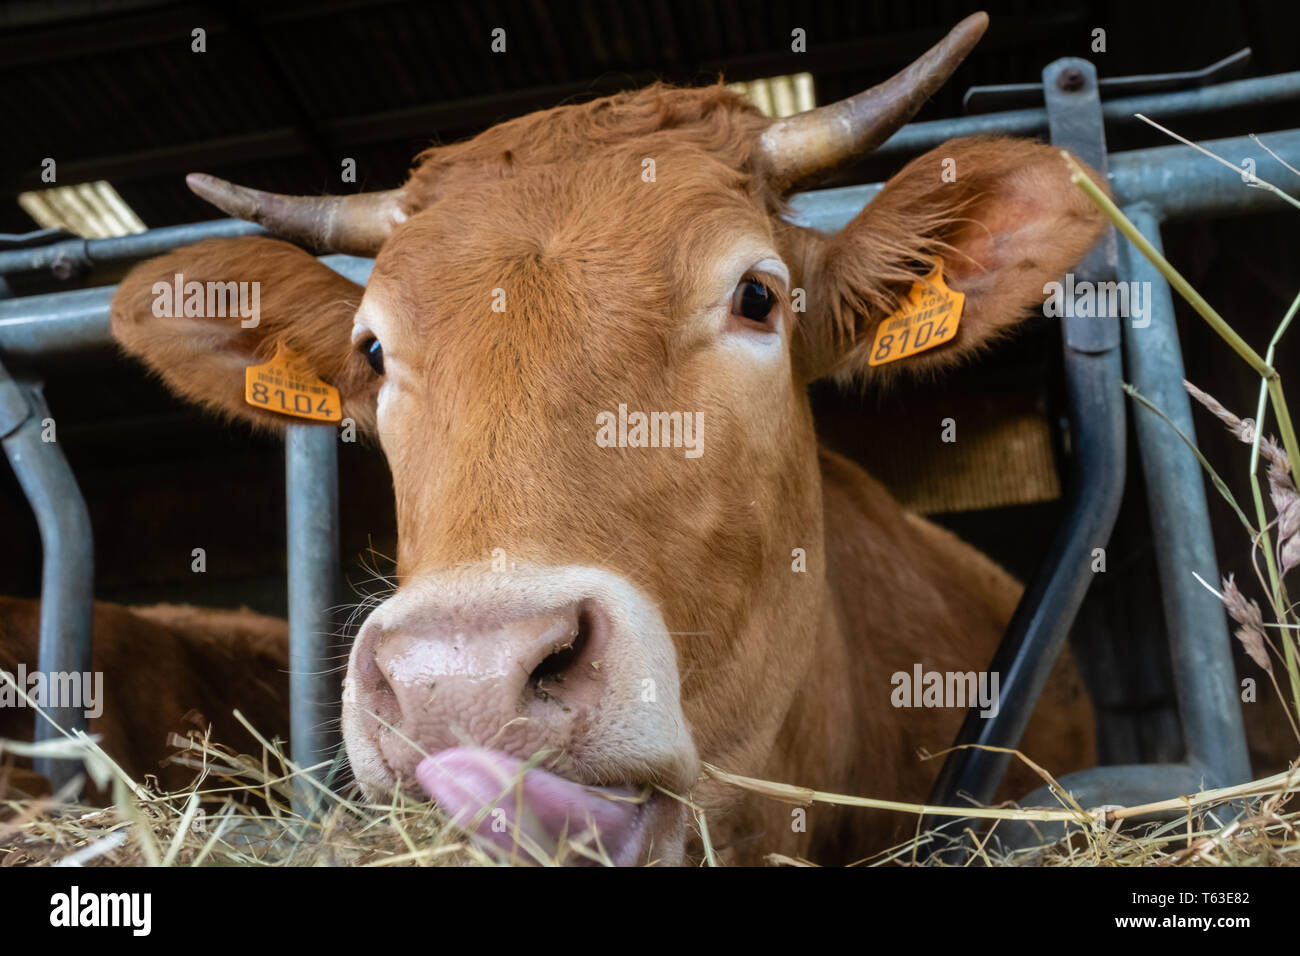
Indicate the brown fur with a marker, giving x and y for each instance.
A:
(784, 675)
(159, 664)
(1006, 221)
(945, 606)
(204, 361)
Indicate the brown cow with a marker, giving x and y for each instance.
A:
(158, 664)
(741, 598)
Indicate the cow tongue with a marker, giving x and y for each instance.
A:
(465, 780)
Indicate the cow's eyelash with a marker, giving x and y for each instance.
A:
(776, 284)
(370, 349)
(770, 279)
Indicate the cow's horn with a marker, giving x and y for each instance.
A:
(353, 224)
(806, 147)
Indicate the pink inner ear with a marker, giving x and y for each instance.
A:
(988, 243)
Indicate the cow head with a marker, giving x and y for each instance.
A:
(547, 299)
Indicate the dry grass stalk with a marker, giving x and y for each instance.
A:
(240, 812)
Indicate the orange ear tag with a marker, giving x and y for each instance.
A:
(286, 385)
(928, 318)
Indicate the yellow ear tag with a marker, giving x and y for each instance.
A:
(286, 385)
(928, 318)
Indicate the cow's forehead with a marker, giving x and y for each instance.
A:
(600, 237)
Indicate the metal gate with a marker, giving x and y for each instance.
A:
(1153, 186)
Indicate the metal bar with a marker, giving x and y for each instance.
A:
(312, 501)
(1198, 633)
(1238, 94)
(1182, 183)
(1043, 619)
(72, 255)
(1123, 784)
(914, 138)
(1008, 95)
(68, 557)
(38, 326)
(1177, 179)
(1174, 179)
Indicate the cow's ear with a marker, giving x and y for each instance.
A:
(999, 216)
(300, 304)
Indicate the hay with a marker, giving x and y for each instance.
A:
(240, 810)
(262, 810)
(1249, 824)
(249, 810)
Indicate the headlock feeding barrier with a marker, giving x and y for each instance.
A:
(1152, 186)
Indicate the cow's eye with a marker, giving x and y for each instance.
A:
(374, 353)
(753, 300)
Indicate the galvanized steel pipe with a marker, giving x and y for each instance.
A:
(312, 497)
(1199, 642)
(68, 561)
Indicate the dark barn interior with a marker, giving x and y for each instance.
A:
(286, 91)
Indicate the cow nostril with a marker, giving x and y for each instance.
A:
(384, 692)
(379, 693)
(563, 652)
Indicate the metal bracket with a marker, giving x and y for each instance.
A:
(35, 238)
(1074, 122)
(14, 409)
(1198, 642)
(1093, 376)
(68, 567)
(1007, 96)
(64, 253)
